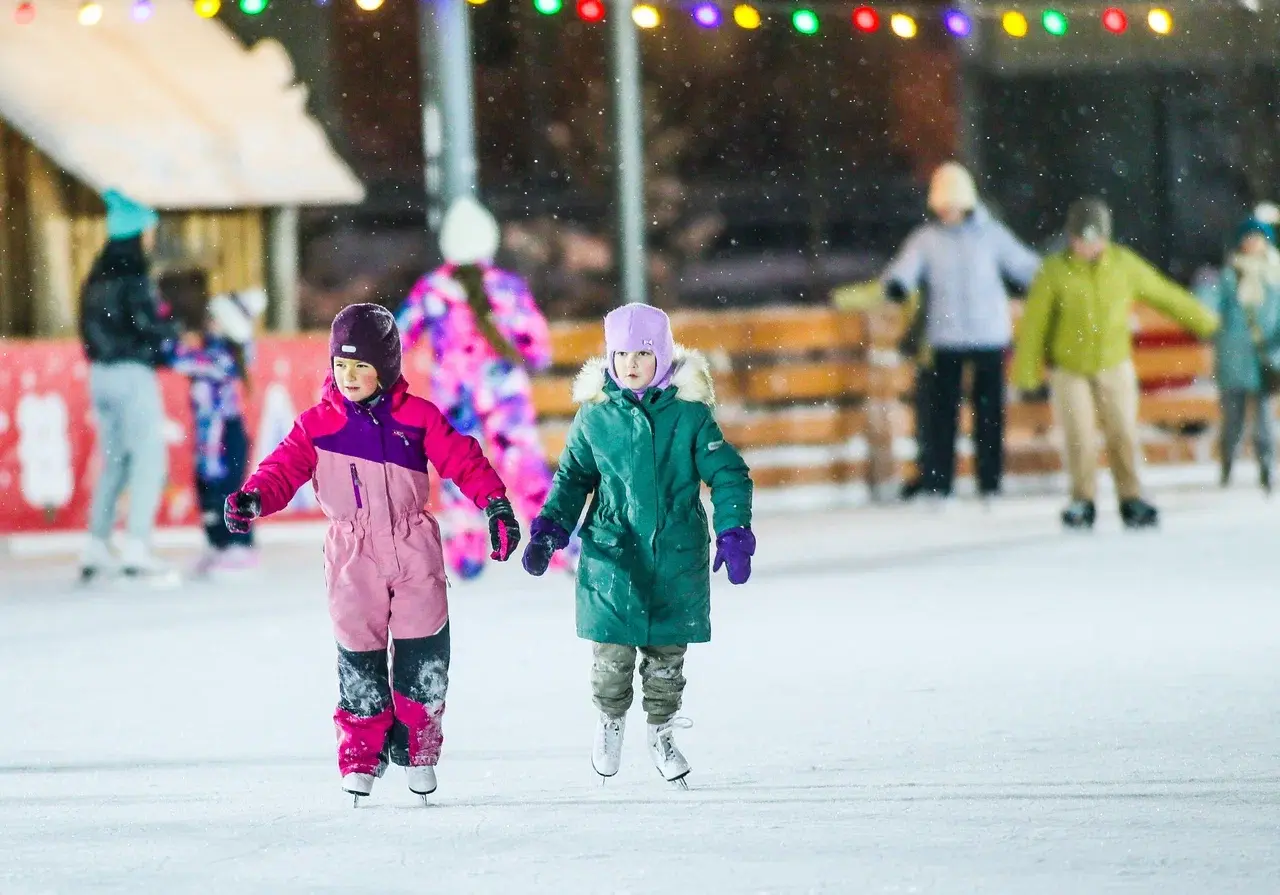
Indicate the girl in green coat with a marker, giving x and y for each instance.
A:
(644, 441)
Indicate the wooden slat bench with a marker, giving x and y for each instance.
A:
(818, 395)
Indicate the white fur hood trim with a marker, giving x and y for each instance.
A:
(692, 379)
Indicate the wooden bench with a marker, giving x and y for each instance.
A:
(818, 395)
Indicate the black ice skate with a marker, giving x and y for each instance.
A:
(1137, 513)
(1079, 514)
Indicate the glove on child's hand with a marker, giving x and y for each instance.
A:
(734, 548)
(504, 529)
(545, 538)
(240, 510)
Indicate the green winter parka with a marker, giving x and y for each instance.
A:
(644, 575)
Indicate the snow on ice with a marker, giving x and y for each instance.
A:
(898, 702)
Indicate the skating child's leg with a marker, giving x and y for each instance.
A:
(420, 682)
(662, 681)
(613, 670)
(364, 716)
(1231, 403)
(360, 607)
(1073, 405)
(1116, 392)
(235, 454)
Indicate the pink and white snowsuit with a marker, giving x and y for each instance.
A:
(384, 566)
(484, 395)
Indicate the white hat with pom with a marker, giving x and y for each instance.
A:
(236, 313)
(469, 234)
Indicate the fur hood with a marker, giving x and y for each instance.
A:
(691, 377)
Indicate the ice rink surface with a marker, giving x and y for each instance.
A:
(897, 702)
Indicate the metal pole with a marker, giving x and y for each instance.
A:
(629, 167)
(448, 107)
(969, 96)
(283, 262)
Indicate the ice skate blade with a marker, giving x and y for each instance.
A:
(680, 783)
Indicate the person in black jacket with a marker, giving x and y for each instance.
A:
(126, 337)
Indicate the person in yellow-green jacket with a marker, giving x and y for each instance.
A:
(1076, 322)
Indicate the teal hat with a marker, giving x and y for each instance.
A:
(126, 218)
(1253, 225)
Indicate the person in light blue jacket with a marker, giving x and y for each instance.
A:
(963, 258)
(1246, 296)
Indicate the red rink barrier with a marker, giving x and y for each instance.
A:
(48, 457)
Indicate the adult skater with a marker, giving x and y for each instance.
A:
(643, 442)
(962, 258)
(1246, 296)
(486, 335)
(125, 338)
(365, 447)
(1077, 321)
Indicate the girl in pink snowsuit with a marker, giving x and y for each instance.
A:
(486, 335)
(365, 448)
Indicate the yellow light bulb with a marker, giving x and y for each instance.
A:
(477, 2)
(747, 17)
(90, 14)
(1160, 21)
(1015, 24)
(369, 5)
(903, 25)
(207, 9)
(646, 16)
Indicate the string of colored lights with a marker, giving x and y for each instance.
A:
(903, 22)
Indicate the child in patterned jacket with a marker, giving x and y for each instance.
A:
(214, 354)
(365, 447)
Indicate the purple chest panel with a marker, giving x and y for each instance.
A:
(379, 439)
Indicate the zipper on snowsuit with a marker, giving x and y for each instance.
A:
(355, 486)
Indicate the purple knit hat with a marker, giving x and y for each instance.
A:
(368, 333)
(641, 327)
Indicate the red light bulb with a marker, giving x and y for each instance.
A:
(866, 19)
(590, 10)
(1115, 21)
(25, 14)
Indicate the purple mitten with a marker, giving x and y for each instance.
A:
(734, 548)
(545, 538)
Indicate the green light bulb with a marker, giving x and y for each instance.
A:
(1054, 22)
(548, 7)
(805, 21)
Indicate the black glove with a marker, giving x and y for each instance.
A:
(504, 529)
(545, 538)
(240, 510)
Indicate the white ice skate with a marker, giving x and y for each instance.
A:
(422, 781)
(358, 785)
(137, 562)
(96, 562)
(606, 751)
(667, 758)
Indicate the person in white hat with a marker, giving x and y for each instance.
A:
(959, 262)
(486, 335)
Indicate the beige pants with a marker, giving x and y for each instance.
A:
(1080, 404)
(661, 678)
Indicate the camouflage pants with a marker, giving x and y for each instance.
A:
(661, 679)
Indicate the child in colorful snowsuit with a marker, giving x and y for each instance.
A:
(644, 440)
(1246, 296)
(486, 336)
(215, 357)
(365, 448)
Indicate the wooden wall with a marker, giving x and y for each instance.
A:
(52, 228)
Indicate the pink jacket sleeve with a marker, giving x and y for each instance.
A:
(458, 457)
(532, 335)
(282, 472)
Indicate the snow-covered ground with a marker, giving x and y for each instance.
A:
(897, 702)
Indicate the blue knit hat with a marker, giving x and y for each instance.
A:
(1253, 225)
(125, 217)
